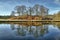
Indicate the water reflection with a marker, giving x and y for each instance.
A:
(30, 30)
(35, 31)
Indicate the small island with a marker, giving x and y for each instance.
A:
(37, 13)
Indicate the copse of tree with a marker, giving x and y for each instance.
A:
(36, 9)
(58, 12)
(57, 16)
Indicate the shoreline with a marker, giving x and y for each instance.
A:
(29, 20)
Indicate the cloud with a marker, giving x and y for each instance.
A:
(53, 11)
(57, 2)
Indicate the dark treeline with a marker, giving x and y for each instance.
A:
(4, 17)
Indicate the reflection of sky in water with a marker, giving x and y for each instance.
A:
(11, 31)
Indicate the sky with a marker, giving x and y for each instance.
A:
(6, 6)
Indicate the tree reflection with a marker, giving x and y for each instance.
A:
(12, 26)
(20, 30)
(30, 31)
(57, 24)
(36, 31)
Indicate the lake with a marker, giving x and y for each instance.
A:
(29, 31)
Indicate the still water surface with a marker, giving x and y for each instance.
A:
(12, 31)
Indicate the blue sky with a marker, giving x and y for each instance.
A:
(6, 6)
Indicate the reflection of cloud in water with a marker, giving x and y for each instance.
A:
(19, 32)
(52, 36)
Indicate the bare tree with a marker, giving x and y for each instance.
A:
(36, 8)
(12, 13)
(20, 9)
(44, 11)
(23, 9)
(30, 10)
